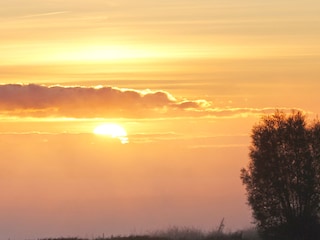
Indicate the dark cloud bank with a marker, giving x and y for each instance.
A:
(100, 102)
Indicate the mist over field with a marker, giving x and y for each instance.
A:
(82, 184)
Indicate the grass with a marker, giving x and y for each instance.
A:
(181, 233)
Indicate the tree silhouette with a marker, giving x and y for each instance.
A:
(282, 179)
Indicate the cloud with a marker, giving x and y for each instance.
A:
(32, 100)
(44, 14)
(85, 102)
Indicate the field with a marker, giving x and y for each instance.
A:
(175, 233)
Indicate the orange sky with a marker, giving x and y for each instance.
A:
(186, 79)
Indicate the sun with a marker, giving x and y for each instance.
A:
(112, 130)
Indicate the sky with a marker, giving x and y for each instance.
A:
(186, 79)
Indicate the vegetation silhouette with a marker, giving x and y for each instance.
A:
(282, 179)
(173, 233)
(180, 233)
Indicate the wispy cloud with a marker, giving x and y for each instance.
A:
(45, 14)
(105, 102)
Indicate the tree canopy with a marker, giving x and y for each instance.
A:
(282, 179)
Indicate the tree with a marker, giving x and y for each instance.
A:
(282, 179)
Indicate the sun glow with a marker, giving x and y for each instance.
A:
(112, 130)
(113, 53)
